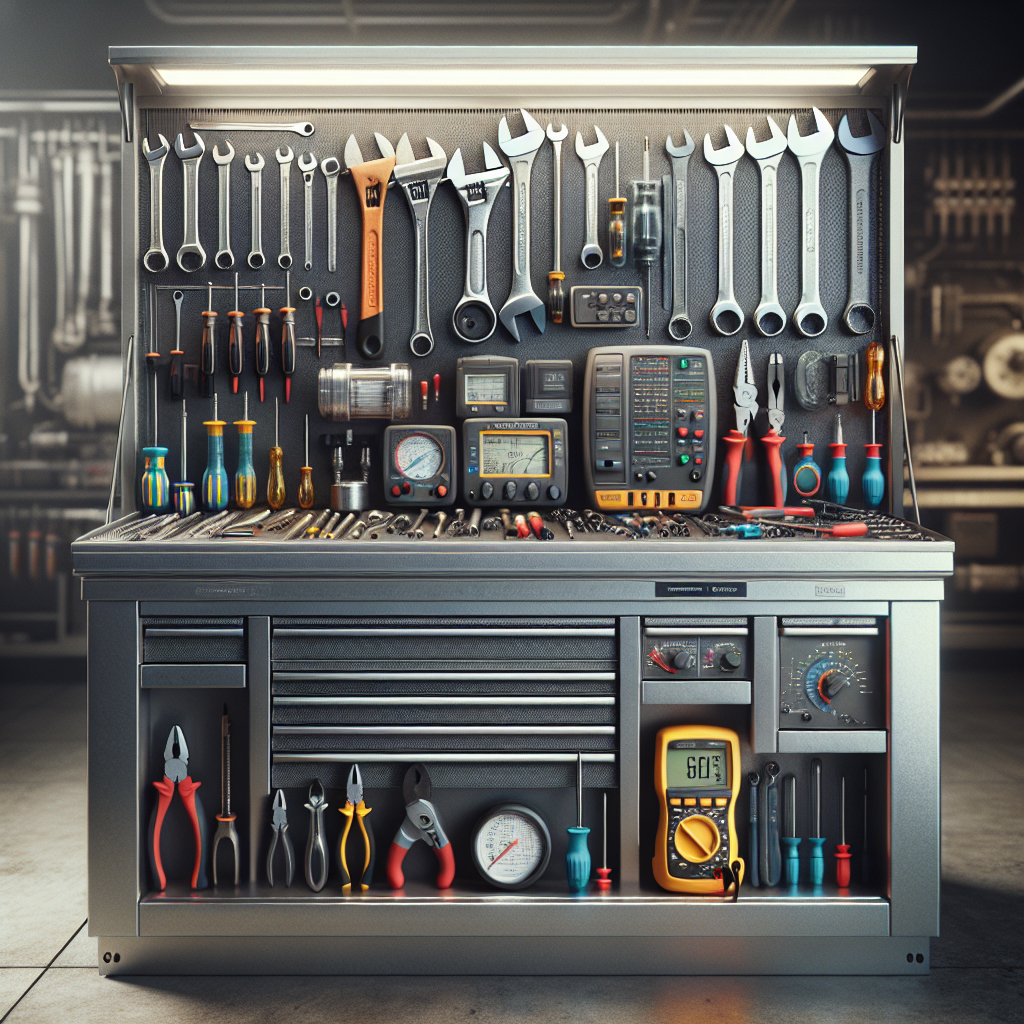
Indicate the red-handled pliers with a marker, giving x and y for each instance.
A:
(176, 773)
(776, 417)
(745, 405)
(421, 822)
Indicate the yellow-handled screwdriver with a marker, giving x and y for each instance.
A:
(306, 481)
(873, 480)
(276, 494)
(617, 222)
(245, 477)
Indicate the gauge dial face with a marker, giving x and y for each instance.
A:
(831, 679)
(419, 457)
(511, 847)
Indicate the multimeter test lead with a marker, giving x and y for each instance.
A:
(577, 855)
(842, 850)
(816, 840)
(791, 856)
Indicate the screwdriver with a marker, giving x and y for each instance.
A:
(275, 482)
(319, 326)
(617, 222)
(646, 224)
(245, 477)
(791, 855)
(857, 528)
(262, 339)
(287, 337)
(577, 856)
(176, 375)
(156, 490)
(873, 482)
(842, 850)
(838, 478)
(806, 473)
(306, 482)
(235, 343)
(556, 278)
(215, 478)
(184, 492)
(817, 840)
(208, 358)
(604, 873)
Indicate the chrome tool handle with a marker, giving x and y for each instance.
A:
(726, 315)
(769, 317)
(679, 325)
(284, 259)
(191, 255)
(859, 316)
(591, 255)
(332, 223)
(522, 167)
(156, 259)
(809, 318)
(225, 258)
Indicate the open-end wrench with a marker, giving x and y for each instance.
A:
(254, 165)
(307, 164)
(809, 317)
(521, 152)
(298, 127)
(726, 315)
(677, 231)
(331, 166)
(285, 156)
(419, 180)
(474, 318)
(225, 258)
(155, 258)
(591, 255)
(860, 152)
(769, 317)
(191, 256)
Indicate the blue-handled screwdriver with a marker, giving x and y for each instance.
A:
(816, 840)
(577, 856)
(791, 853)
(838, 478)
(806, 473)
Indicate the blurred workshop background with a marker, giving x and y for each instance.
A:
(60, 377)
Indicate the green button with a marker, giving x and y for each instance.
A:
(684, 363)
(684, 459)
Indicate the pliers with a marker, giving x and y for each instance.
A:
(176, 774)
(776, 417)
(316, 844)
(355, 809)
(745, 406)
(279, 825)
(421, 822)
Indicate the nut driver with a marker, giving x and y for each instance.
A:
(769, 316)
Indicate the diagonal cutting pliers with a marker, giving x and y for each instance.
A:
(355, 809)
(776, 417)
(421, 822)
(745, 407)
(279, 825)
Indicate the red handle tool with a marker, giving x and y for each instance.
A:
(445, 871)
(421, 822)
(732, 465)
(773, 442)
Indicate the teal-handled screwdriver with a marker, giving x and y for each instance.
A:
(791, 851)
(838, 477)
(215, 478)
(577, 856)
(184, 492)
(816, 840)
(806, 473)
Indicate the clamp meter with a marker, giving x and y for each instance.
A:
(697, 776)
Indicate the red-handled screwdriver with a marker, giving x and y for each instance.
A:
(319, 325)
(745, 406)
(287, 312)
(854, 529)
(604, 873)
(235, 342)
(842, 850)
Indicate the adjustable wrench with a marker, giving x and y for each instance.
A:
(809, 318)
(474, 318)
(419, 180)
(726, 315)
(285, 156)
(860, 152)
(225, 258)
(521, 152)
(155, 258)
(254, 165)
(678, 233)
(191, 256)
(307, 164)
(591, 255)
(769, 317)
(332, 168)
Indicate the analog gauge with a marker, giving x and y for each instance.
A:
(828, 677)
(511, 846)
(419, 457)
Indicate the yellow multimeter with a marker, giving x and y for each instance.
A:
(697, 775)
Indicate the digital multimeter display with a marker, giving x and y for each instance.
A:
(486, 388)
(508, 454)
(700, 768)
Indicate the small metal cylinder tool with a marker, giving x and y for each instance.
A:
(276, 493)
(348, 392)
(215, 478)
(306, 478)
(245, 477)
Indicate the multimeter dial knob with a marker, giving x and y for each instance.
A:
(730, 661)
(832, 684)
(697, 839)
(685, 659)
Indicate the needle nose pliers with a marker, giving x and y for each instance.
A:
(355, 809)
(279, 825)
(421, 822)
(745, 407)
(176, 774)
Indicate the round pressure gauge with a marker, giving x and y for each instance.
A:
(419, 457)
(511, 846)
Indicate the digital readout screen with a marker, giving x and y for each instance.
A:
(487, 388)
(510, 454)
(700, 768)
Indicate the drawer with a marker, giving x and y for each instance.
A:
(201, 676)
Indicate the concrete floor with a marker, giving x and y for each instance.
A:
(48, 963)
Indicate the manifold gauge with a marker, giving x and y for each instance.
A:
(511, 846)
(419, 456)
(419, 464)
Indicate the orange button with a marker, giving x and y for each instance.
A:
(690, 801)
(721, 801)
(705, 801)
(442, 491)
(675, 801)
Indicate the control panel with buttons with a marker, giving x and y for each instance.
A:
(605, 306)
(515, 462)
(420, 466)
(697, 650)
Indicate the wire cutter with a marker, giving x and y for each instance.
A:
(176, 774)
(279, 825)
(776, 417)
(355, 809)
(421, 822)
(316, 844)
(745, 406)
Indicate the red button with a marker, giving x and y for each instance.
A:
(442, 491)
(683, 431)
(396, 490)
(406, 488)
(698, 434)
(699, 461)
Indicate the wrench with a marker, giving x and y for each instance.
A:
(191, 250)
(156, 258)
(254, 165)
(678, 233)
(299, 127)
(307, 164)
(285, 156)
(419, 180)
(769, 317)
(860, 152)
(591, 255)
(809, 318)
(225, 258)
(474, 318)
(331, 167)
(521, 152)
(726, 315)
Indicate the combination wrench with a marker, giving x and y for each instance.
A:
(726, 315)
(474, 318)
(254, 165)
(678, 234)
(419, 180)
(155, 258)
(285, 156)
(191, 256)
(331, 167)
(307, 164)
(304, 128)
(809, 317)
(591, 256)
(860, 152)
(225, 258)
(769, 317)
